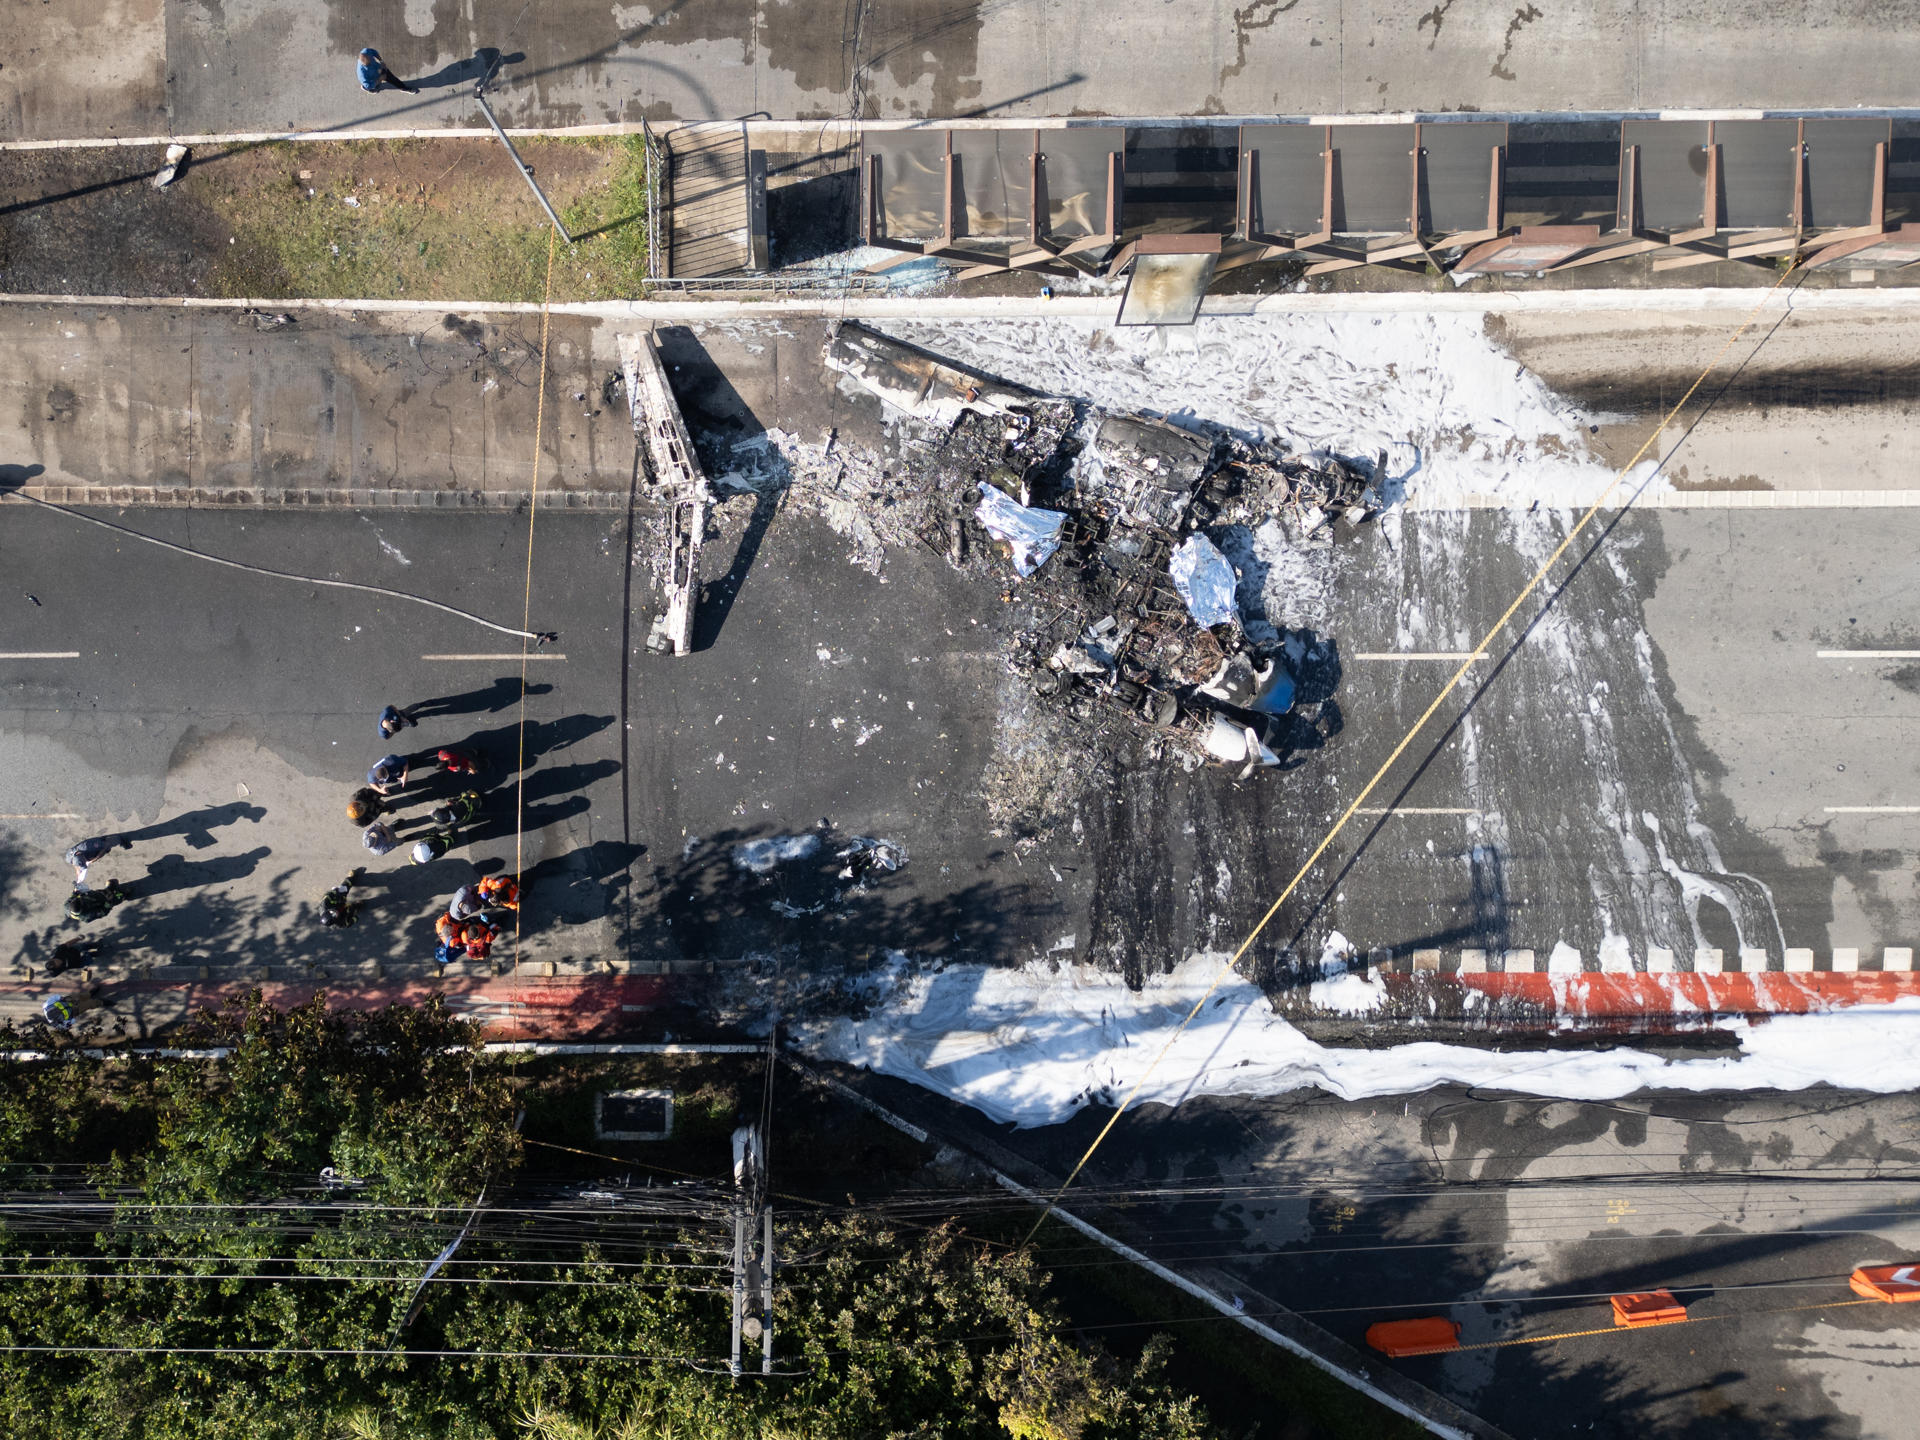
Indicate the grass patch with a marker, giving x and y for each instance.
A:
(430, 220)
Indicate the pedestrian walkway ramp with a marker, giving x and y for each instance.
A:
(712, 189)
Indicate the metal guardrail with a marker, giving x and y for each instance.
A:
(656, 181)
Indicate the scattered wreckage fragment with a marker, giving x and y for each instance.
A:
(1131, 607)
(675, 468)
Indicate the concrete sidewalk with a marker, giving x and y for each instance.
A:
(403, 404)
(167, 405)
(96, 68)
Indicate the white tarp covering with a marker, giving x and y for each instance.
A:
(1033, 534)
(1205, 580)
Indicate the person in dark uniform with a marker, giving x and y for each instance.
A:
(85, 905)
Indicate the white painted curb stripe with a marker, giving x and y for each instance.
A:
(812, 128)
(909, 306)
(511, 655)
(1872, 809)
(1867, 654)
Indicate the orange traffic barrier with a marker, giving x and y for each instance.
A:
(1892, 1283)
(1429, 1335)
(1653, 1307)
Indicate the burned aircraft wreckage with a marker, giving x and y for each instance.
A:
(1128, 610)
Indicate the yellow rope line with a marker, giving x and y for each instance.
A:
(533, 509)
(1690, 1320)
(1398, 750)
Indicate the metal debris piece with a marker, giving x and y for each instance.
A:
(168, 172)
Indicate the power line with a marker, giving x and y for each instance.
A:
(617, 1284)
(273, 1351)
(536, 636)
(348, 1260)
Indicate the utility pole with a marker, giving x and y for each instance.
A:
(753, 1218)
(752, 1272)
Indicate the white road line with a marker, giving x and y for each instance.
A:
(43, 815)
(1872, 809)
(1867, 654)
(510, 655)
(1419, 655)
(1411, 810)
(39, 654)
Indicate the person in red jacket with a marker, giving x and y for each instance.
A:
(479, 937)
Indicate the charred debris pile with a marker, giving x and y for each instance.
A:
(1096, 525)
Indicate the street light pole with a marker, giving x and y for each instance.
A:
(480, 94)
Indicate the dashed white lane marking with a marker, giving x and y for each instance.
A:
(44, 815)
(1867, 654)
(512, 655)
(1871, 809)
(1412, 810)
(39, 654)
(1419, 655)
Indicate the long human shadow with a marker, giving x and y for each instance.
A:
(1446, 737)
(483, 62)
(170, 873)
(502, 694)
(14, 868)
(196, 826)
(502, 752)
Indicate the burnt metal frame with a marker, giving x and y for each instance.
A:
(1396, 252)
(1046, 253)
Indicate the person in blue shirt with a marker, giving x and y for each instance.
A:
(389, 773)
(374, 73)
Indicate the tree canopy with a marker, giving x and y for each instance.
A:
(241, 1255)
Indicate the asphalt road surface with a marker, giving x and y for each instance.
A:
(221, 720)
(153, 67)
(1669, 722)
(1518, 1218)
(1692, 737)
